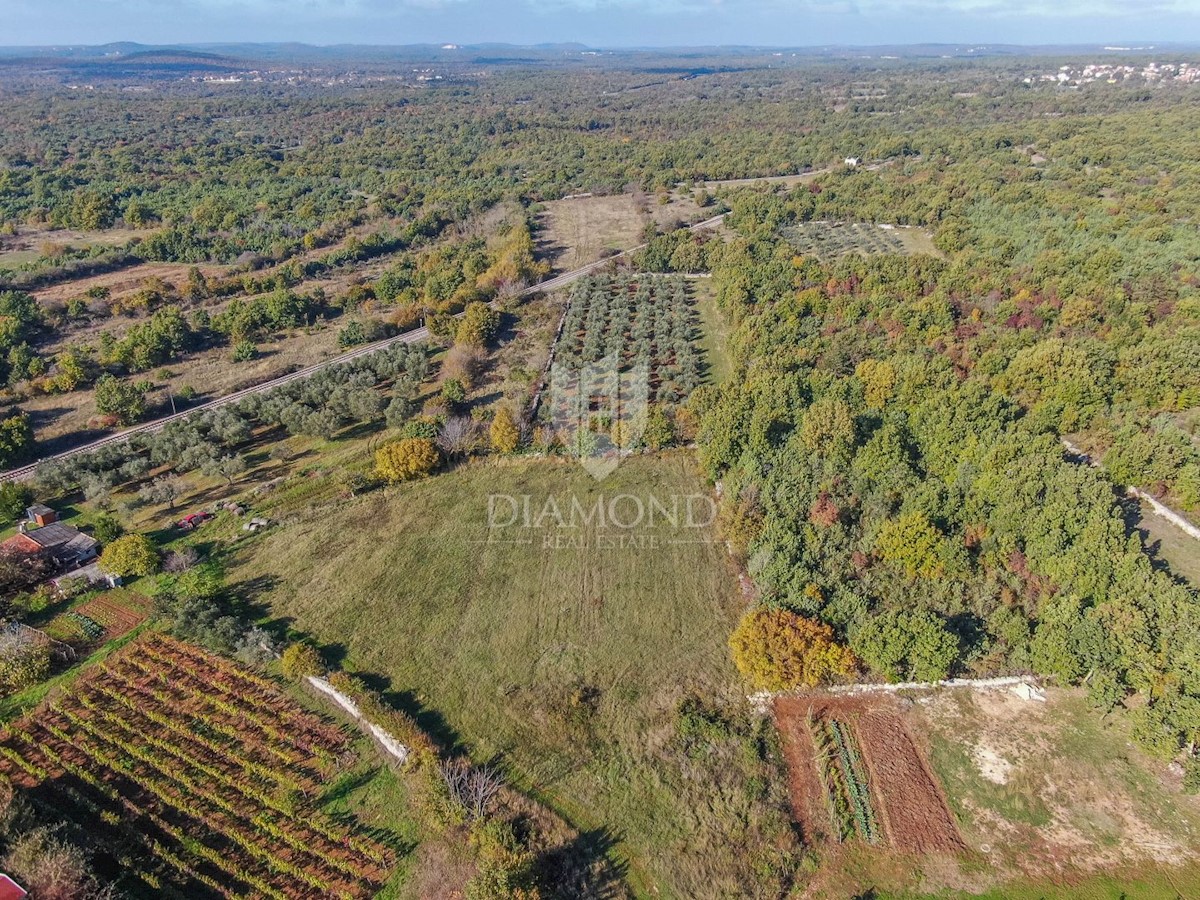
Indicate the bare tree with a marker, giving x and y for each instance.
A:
(469, 787)
(458, 436)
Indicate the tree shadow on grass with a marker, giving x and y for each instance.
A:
(586, 867)
(429, 721)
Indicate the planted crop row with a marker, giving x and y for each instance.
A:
(855, 780)
(843, 778)
(648, 322)
(154, 753)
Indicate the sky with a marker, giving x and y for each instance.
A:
(602, 23)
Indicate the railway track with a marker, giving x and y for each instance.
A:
(409, 337)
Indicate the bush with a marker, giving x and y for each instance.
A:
(503, 433)
(406, 459)
(130, 556)
(777, 650)
(244, 351)
(301, 660)
(52, 869)
(24, 661)
(107, 529)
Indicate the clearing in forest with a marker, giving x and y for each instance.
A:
(193, 777)
(829, 240)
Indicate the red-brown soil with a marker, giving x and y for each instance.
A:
(904, 791)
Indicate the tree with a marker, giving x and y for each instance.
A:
(228, 467)
(912, 543)
(21, 571)
(503, 432)
(454, 393)
(828, 428)
(777, 650)
(107, 529)
(406, 459)
(301, 659)
(478, 326)
(130, 556)
(16, 439)
(399, 411)
(14, 500)
(164, 489)
(658, 432)
(121, 399)
(907, 645)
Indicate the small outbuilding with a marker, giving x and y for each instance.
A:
(40, 515)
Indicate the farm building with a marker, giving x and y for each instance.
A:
(10, 890)
(66, 544)
(40, 514)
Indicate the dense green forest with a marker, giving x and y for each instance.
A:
(891, 448)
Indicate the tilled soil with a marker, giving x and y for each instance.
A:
(914, 809)
(904, 791)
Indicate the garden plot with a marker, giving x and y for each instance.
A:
(855, 774)
(829, 240)
(193, 777)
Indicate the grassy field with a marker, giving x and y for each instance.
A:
(829, 240)
(715, 331)
(578, 231)
(1170, 543)
(566, 654)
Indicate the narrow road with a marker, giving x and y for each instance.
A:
(409, 337)
(1177, 519)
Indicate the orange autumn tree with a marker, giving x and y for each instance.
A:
(777, 650)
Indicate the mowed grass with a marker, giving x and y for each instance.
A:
(715, 332)
(563, 653)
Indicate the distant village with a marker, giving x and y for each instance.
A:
(1114, 73)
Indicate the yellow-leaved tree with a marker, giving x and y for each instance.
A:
(406, 459)
(777, 650)
(504, 434)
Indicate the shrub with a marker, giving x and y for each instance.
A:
(478, 325)
(132, 555)
(504, 434)
(244, 351)
(24, 661)
(406, 459)
(301, 660)
(777, 650)
(52, 869)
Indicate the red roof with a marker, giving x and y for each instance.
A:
(21, 543)
(9, 889)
